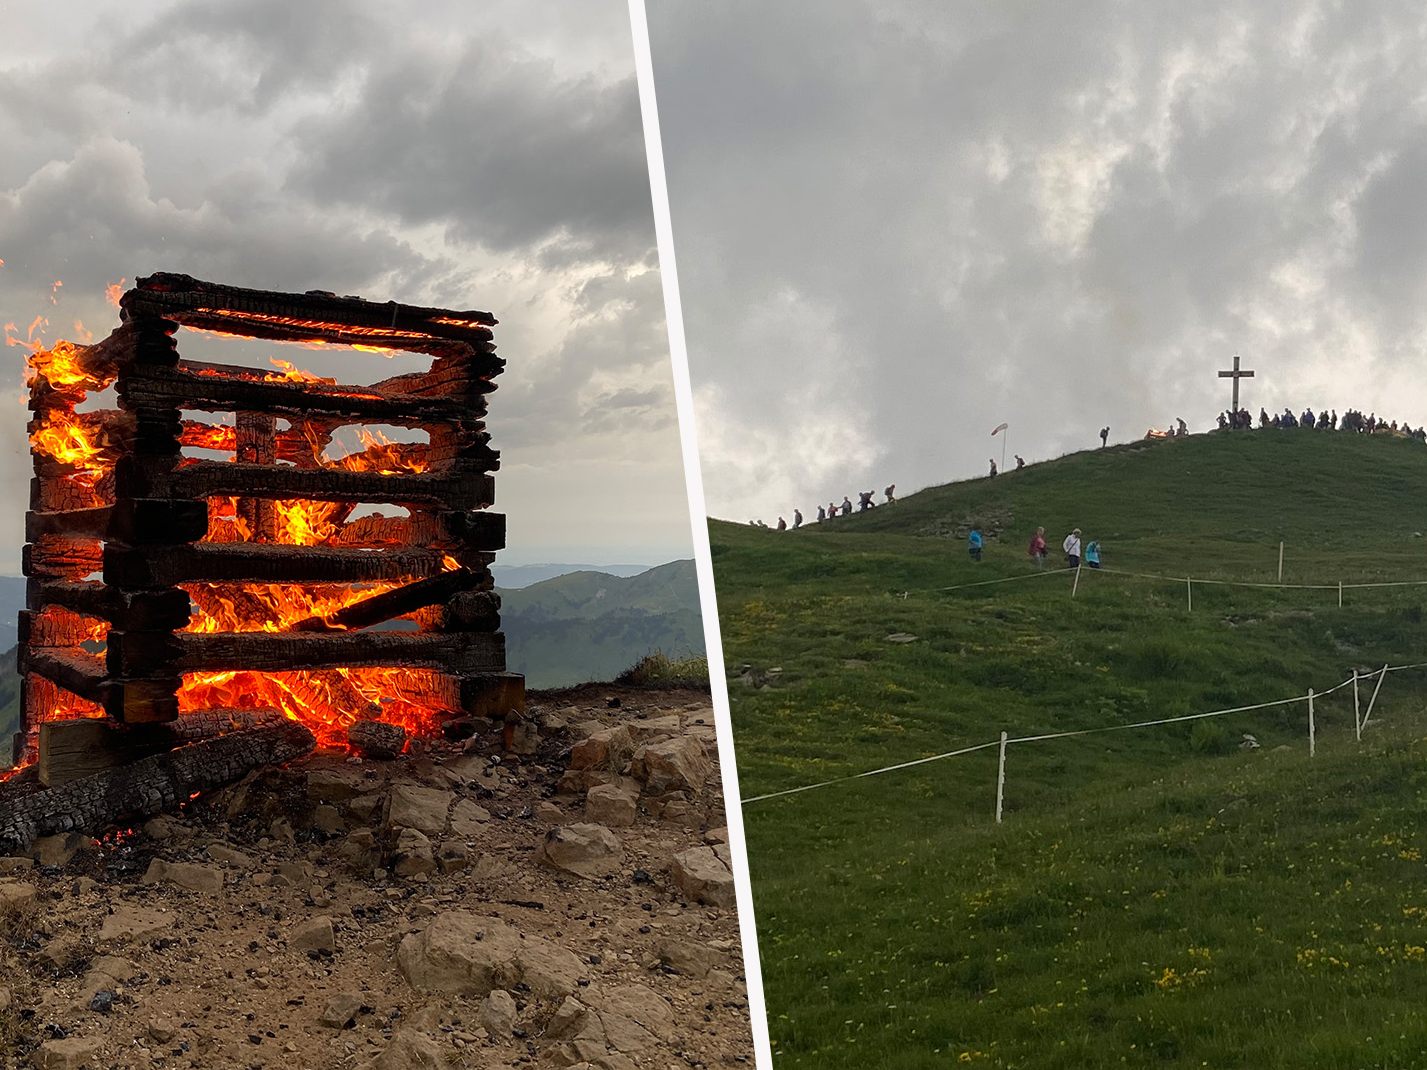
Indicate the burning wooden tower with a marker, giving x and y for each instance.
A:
(163, 584)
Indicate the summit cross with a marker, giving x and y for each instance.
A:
(1236, 375)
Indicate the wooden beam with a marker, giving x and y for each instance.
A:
(79, 673)
(142, 654)
(135, 521)
(144, 788)
(395, 603)
(211, 562)
(72, 749)
(212, 388)
(459, 489)
(152, 610)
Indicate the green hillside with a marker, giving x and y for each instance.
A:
(1156, 897)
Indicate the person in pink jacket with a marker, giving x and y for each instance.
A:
(1037, 549)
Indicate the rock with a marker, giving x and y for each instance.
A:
(467, 819)
(634, 1018)
(327, 819)
(105, 973)
(602, 749)
(685, 956)
(7, 1000)
(230, 856)
(410, 1049)
(163, 828)
(102, 1002)
(187, 875)
(16, 897)
(674, 765)
(12, 867)
(497, 1013)
(452, 856)
(58, 850)
(524, 738)
(161, 1030)
(609, 804)
(413, 854)
(334, 784)
(71, 1053)
(702, 876)
(341, 1010)
(293, 875)
(365, 807)
(901, 637)
(676, 812)
(584, 849)
(654, 729)
(423, 809)
(548, 811)
(281, 830)
(376, 739)
(462, 954)
(459, 728)
(315, 934)
(718, 835)
(359, 850)
(131, 923)
(63, 952)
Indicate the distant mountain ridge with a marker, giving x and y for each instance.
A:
(511, 577)
(587, 625)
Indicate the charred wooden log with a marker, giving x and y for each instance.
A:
(143, 788)
(376, 739)
(397, 603)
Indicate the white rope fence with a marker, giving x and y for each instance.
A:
(1360, 720)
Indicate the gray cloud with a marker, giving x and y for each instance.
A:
(486, 159)
(900, 224)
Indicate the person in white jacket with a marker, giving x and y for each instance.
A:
(1072, 549)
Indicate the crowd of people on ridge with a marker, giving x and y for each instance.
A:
(834, 509)
(1351, 421)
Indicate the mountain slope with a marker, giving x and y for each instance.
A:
(1045, 942)
(586, 626)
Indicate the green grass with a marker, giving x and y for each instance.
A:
(660, 670)
(900, 927)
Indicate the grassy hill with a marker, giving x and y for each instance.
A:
(1156, 897)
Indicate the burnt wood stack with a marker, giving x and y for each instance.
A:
(143, 528)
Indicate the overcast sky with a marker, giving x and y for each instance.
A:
(900, 223)
(471, 156)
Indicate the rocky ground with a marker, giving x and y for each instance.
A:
(564, 902)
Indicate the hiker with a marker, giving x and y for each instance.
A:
(1071, 546)
(1223, 421)
(1037, 549)
(891, 496)
(1183, 428)
(782, 524)
(797, 519)
(1104, 436)
(1020, 461)
(1308, 421)
(975, 542)
(1092, 553)
(846, 505)
(993, 468)
(831, 510)
(864, 500)
(1263, 418)
(822, 514)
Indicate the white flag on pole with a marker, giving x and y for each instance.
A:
(999, 429)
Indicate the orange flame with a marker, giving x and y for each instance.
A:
(326, 701)
(114, 291)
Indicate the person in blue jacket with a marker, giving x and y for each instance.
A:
(1092, 553)
(975, 542)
